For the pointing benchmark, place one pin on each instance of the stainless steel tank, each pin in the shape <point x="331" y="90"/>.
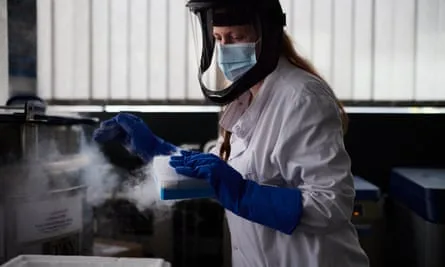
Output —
<point x="43" y="207"/>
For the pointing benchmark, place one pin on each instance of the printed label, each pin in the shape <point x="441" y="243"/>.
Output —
<point x="49" y="218"/>
<point x="69" y="245"/>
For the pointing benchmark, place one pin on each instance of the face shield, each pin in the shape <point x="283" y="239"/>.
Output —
<point x="230" y="44"/>
<point x="230" y="48"/>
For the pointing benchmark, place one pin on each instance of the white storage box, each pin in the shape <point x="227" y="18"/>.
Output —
<point x="81" y="261"/>
<point x="173" y="186"/>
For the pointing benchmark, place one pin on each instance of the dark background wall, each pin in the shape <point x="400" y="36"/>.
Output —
<point x="379" y="142"/>
<point x="376" y="142"/>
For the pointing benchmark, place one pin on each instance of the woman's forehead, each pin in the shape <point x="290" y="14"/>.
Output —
<point x="223" y="30"/>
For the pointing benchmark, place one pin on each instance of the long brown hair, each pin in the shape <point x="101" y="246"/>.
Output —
<point x="291" y="54"/>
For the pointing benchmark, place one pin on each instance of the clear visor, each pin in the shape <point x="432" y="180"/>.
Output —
<point x="224" y="51"/>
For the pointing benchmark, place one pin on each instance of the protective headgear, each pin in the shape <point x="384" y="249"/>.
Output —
<point x="228" y="69"/>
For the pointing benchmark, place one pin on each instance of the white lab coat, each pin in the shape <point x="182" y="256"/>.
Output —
<point x="291" y="136"/>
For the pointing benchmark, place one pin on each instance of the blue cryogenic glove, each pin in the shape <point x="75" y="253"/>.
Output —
<point x="133" y="134"/>
<point x="275" y="207"/>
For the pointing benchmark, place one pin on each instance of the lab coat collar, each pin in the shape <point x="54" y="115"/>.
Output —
<point x="234" y="111"/>
<point x="240" y="118"/>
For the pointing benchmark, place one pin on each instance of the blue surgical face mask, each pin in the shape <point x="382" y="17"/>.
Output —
<point x="236" y="59"/>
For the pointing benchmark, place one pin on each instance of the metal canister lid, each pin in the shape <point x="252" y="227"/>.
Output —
<point x="31" y="109"/>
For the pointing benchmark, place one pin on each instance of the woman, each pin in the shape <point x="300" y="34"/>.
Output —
<point x="281" y="171"/>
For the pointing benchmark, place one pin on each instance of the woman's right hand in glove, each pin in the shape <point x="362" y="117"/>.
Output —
<point x="132" y="132"/>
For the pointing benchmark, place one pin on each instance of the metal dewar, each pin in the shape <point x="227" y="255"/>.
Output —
<point x="43" y="207"/>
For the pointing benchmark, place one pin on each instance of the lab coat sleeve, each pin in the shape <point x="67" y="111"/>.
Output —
<point x="311" y="156"/>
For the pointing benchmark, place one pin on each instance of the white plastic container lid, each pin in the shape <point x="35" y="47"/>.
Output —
<point x="82" y="261"/>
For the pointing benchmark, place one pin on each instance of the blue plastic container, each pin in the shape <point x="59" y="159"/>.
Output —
<point x="421" y="190"/>
<point x="417" y="218"/>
